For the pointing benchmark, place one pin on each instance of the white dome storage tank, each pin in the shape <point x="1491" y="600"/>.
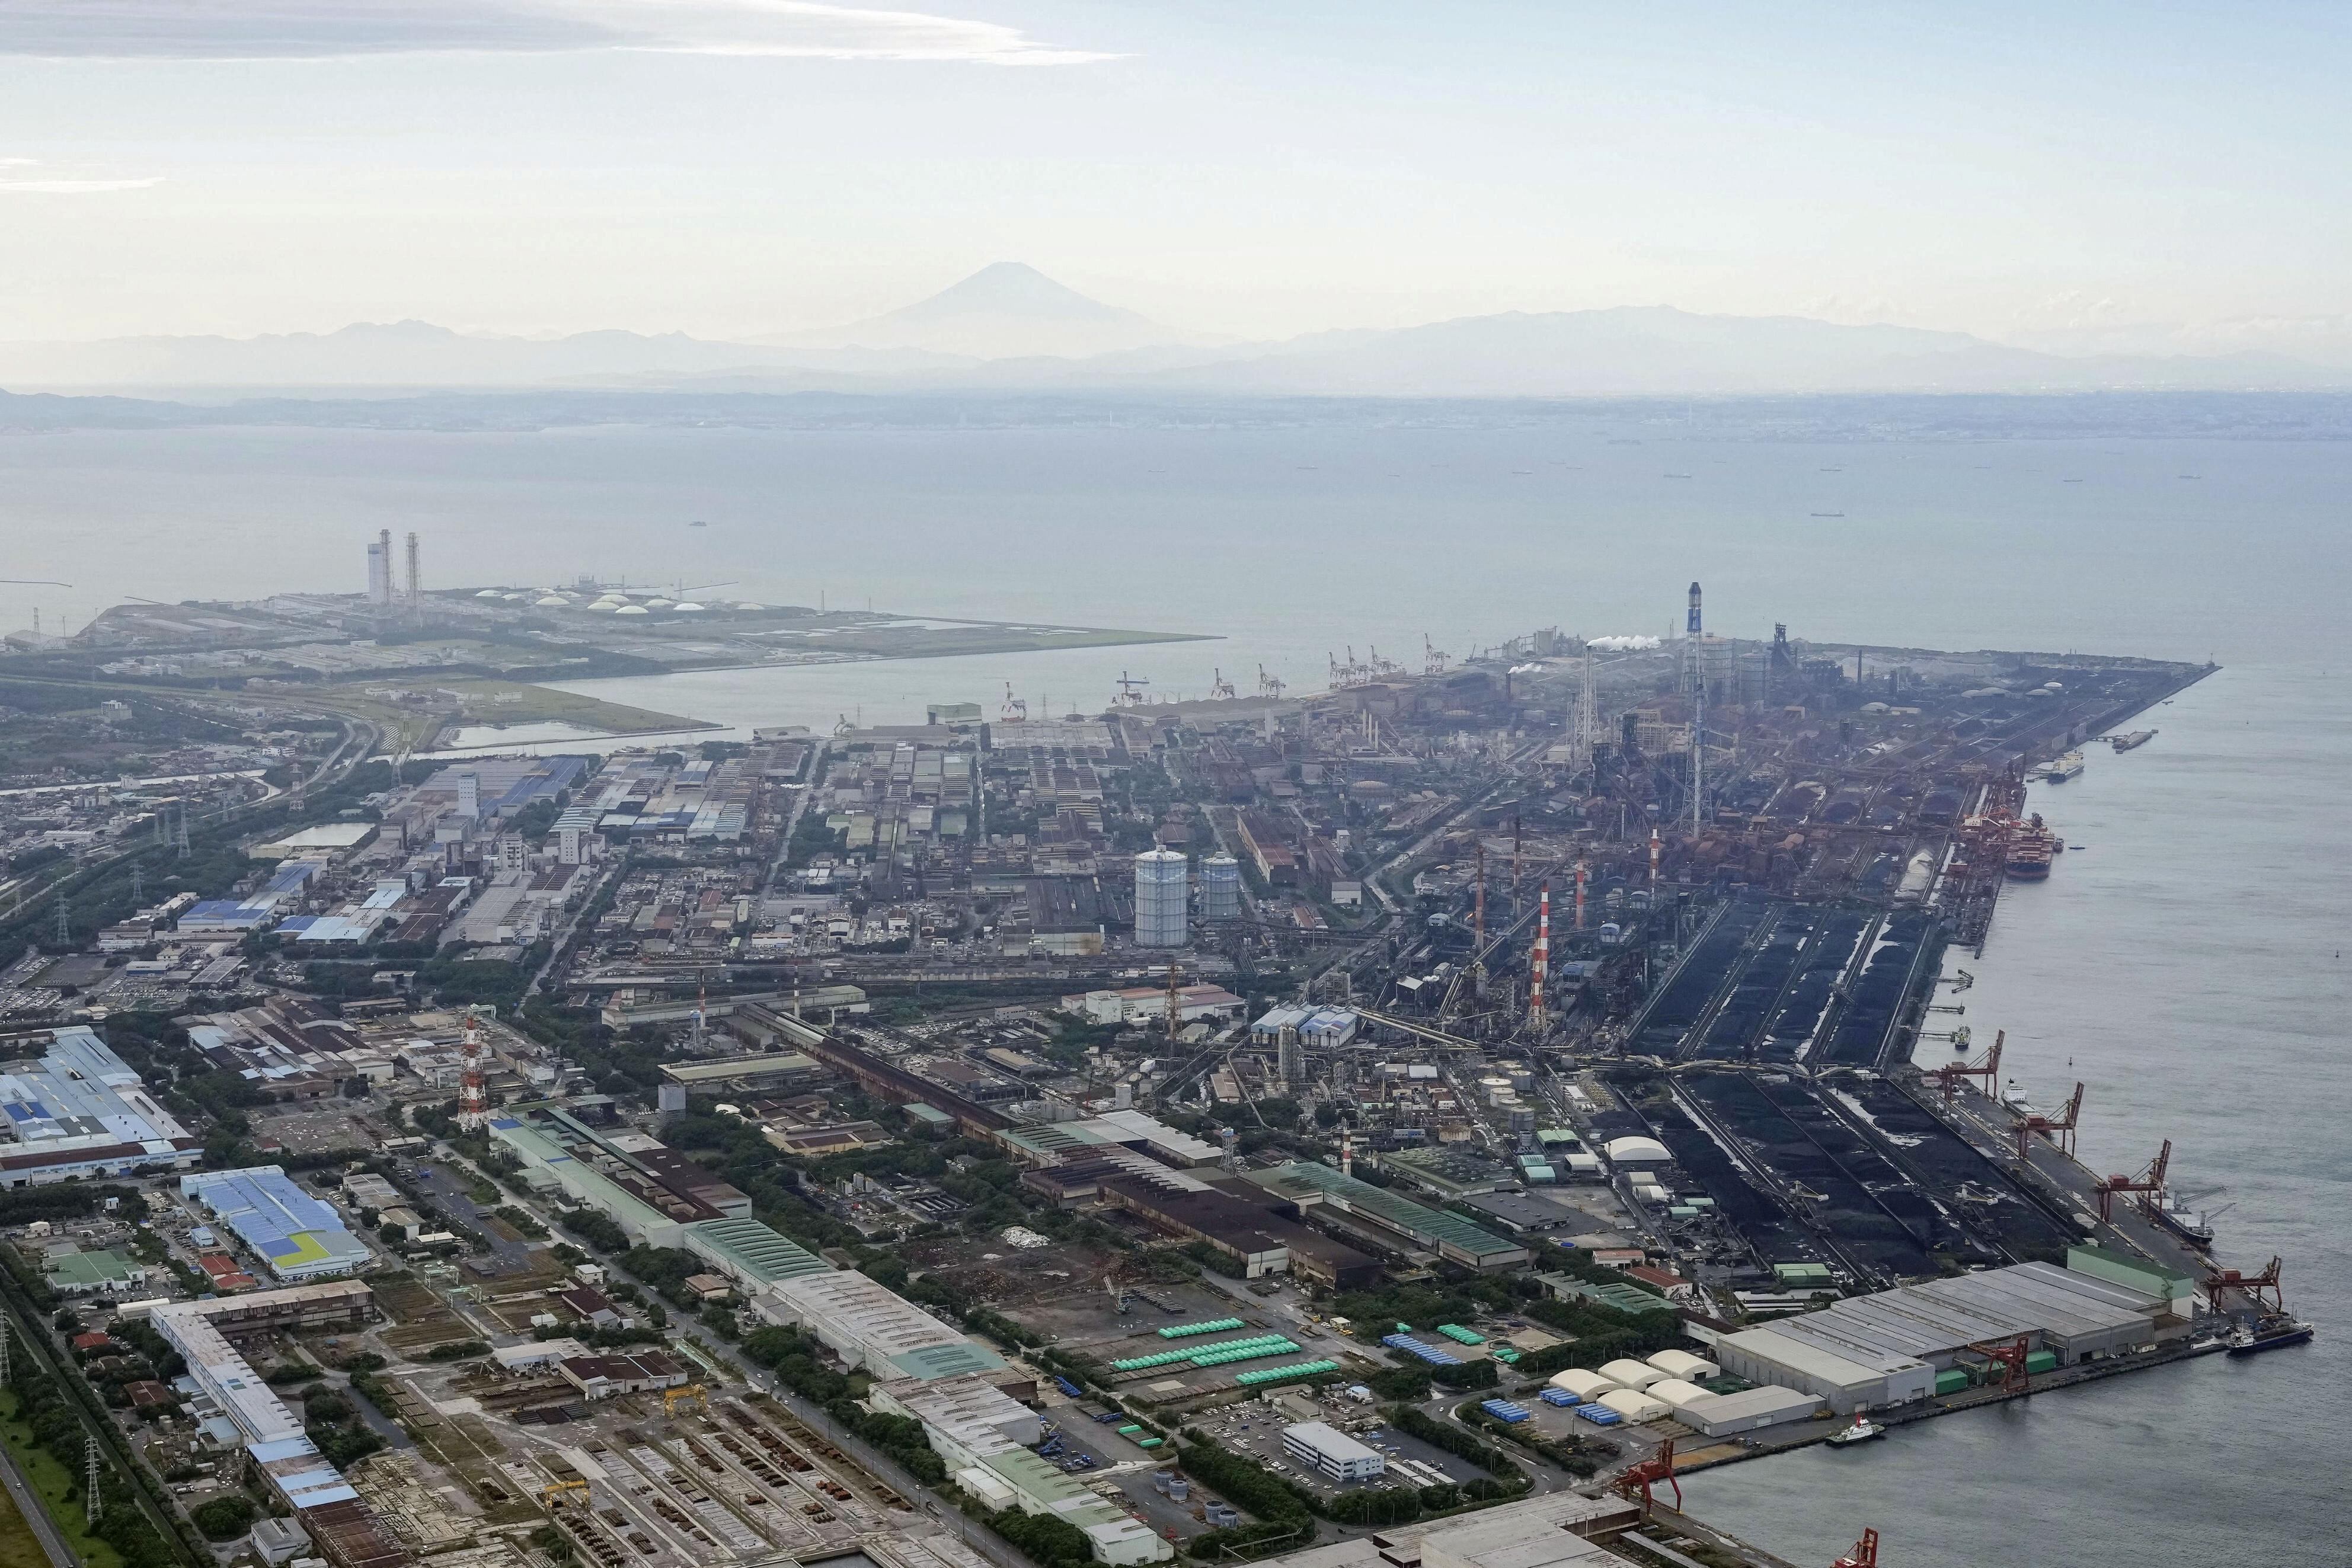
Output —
<point x="1636" y="1406"/>
<point x="1631" y="1374"/>
<point x="1682" y="1364"/>
<point x="1677" y="1393"/>
<point x="1637" y="1152"/>
<point x="1583" y="1383"/>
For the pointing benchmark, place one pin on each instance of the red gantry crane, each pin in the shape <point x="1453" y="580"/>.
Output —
<point x="2010" y="1355"/>
<point x="1639" y="1476"/>
<point x="2261" y="1289"/>
<point x="1989" y="1070"/>
<point x="1865" y="1553"/>
<point x="2059" y="1129"/>
<point x="2149" y="1180"/>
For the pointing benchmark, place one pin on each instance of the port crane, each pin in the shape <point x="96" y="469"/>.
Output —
<point x="1989" y="1070"/>
<point x="1130" y="690"/>
<point x="1220" y="689"/>
<point x="2149" y="1180"/>
<point x="2009" y="1355"/>
<point x="1865" y="1553"/>
<point x="1640" y="1476"/>
<point x="1432" y="659"/>
<point x="2261" y="1289"/>
<point x="1015" y="709"/>
<point x="1270" y="685"/>
<point x="2059" y="1129"/>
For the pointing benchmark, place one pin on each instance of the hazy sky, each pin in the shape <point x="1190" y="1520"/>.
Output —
<point x="2064" y="174"/>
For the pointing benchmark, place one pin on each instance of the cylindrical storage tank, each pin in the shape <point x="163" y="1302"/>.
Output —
<point x="1682" y="1364"/>
<point x="1677" y="1393"/>
<point x="1635" y="1407"/>
<point x="1631" y="1374"/>
<point x="1525" y="1083"/>
<point x="1583" y="1383"/>
<point x="1221" y="888"/>
<point x="1180" y="1489"/>
<point x="1160" y="890"/>
<point x="1160" y="1479"/>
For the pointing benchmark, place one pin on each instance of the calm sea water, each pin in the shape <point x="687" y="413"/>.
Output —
<point x="2187" y="961"/>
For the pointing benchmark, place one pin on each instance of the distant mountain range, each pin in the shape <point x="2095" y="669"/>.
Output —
<point x="1010" y="328"/>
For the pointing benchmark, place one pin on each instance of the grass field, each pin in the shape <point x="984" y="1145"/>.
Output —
<point x="495" y="702"/>
<point x="54" y="1486"/>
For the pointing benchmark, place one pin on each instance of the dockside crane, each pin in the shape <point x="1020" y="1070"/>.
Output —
<point x="2261" y="1289"/>
<point x="2059" y="1129"/>
<point x="1270" y="685"/>
<point x="2149" y="1180"/>
<point x="1641" y="1475"/>
<point x="1989" y="1070"/>
<point x="1220" y="689"/>
<point x="2009" y="1356"/>
<point x="1865" y="1553"/>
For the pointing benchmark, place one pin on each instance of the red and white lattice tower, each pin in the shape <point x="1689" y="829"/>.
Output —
<point x="1539" y="959"/>
<point x="473" y="1081"/>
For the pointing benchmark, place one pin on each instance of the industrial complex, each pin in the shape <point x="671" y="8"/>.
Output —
<point x="1409" y="1122"/>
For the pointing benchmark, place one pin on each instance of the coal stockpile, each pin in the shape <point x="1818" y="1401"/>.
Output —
<point x="1809" y="997"/>
<point x="1757" y="990"/>
<point x="1842" y="1207"/>
<point x="1761" y="1222"/>
<point x="1949" y="1165"/>
<point x="1890" y="1187"/>
<point x="1686" y="996"/>
<point x="1862" y="1029"/>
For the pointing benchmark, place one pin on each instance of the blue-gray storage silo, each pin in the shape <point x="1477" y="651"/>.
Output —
<point x="1161" y="892"/>
<point x="1221" y="888"/>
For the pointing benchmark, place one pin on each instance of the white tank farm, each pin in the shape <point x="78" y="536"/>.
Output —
<point x="1636" y="1406"/>
<point x="1682" y="1364"/>
<point x="1583" y="1383"/>
<point x="1678" y="1394"/>
<point x="1631" y="1374"/>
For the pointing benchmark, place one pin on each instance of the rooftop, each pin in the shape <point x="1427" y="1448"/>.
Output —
<point x="299" y="1235"/>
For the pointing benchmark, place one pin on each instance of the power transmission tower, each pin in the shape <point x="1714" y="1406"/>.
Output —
<point x="137" y="883"/>
<point x="4" y="1376"/>
<point x="65" y="922"/>
<point x="89" y="1504"/>
<point x="181" y="841"/>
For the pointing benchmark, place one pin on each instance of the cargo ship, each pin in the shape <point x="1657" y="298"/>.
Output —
<point x="2061" y="768"/>
<point x="2030" y="852"/>
<point x="2184" y="1222"/>
<point x="1862" y="1431"/>
<point x="2137" y="738"/>
<point x="2273" y="1332"/>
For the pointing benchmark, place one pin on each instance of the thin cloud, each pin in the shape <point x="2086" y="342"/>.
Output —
<point x="73" y="187"/>
<point x="323" y="30"/>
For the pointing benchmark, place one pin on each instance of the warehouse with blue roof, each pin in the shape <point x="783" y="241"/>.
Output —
<point x="298" y="1236"/>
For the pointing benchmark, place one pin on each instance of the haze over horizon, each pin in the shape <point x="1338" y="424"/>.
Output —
<point x="2125" y="183"/>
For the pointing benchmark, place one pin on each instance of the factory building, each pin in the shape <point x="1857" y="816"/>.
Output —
<point x="1191" y="1208"/>
<point x="78" y="1110"/>
<point x="1869" y="1351"/>
<point x="1322" y="1446"/>
<point x="985" y="1438"/>
<point x="276" y="1450"/>
<point x="1160" y="898"/>
<point x="1220" y="889"/>
<point x="1374" y="1211"/>
<point x="1052" y="1141"/>
<point x="868" y="1325"/>
<point x="334" y="1303"/>
<point x="298" y="1236"/>
<point x="1555" y="1530"/>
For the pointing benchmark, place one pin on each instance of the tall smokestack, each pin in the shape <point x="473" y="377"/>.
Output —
<point x="1539" y="957"/>
<point x="1583" y="871"/>
<point x="1693" y="629"/>
<point x="416" y="582"/>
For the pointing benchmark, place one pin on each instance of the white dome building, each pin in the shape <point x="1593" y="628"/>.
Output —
<point x="1637" y="1152"/>
<point x="632" y="609"/>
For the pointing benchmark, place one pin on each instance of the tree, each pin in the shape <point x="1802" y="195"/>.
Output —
<point x="224" y="1517"/>
<point x="390" y="1234"/>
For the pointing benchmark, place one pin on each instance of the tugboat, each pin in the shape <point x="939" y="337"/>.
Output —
<point x="1862" y="1430"/>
